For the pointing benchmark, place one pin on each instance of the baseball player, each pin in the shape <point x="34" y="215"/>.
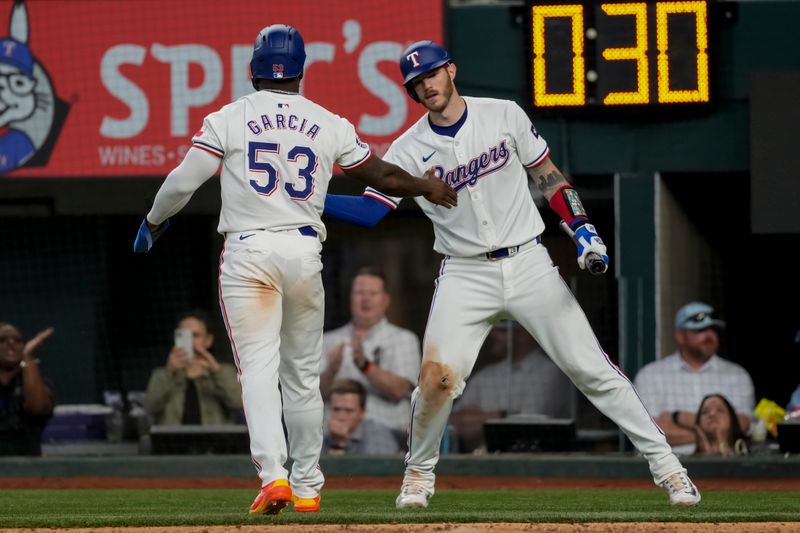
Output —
<point x="495" y="266"/>
<point x="277" y="150"/>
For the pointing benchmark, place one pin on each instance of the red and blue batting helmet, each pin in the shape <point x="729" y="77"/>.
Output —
<point x="419" y="58"/>
<point x="279" y="53"/>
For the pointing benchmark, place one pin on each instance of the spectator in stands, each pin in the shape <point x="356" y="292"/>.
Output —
<point x="26" y="398"/>
<point x="348" y="431"/>
<point x="673" y="387"/>
<point x="717" y="428"/>
<point x="523" y="380"/>
<point x="794" y="401"/>
<point x="379" y="355"/>
<point x="194" y="388"/>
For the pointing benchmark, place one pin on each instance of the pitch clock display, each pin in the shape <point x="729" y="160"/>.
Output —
<point x="618" y="54"/>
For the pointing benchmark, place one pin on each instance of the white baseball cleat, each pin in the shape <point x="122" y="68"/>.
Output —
<point x="413" y="496"/>
<point x="681" y="490"/>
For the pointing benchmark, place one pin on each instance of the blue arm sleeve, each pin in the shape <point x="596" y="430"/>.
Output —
<point x="358" y="210"/>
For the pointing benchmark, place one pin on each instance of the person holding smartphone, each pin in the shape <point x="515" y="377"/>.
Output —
<point x="193" y="387"/>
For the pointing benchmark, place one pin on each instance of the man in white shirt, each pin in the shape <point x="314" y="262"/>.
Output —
<point x="673" y="387"/>
<point x="382" y="357"/>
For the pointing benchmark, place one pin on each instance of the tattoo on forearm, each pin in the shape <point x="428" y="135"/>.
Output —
<point x="546" y="181"/>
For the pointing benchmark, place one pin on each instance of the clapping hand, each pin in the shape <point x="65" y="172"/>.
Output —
<point x="32" y="345"/>
<point x="359" y="359"/>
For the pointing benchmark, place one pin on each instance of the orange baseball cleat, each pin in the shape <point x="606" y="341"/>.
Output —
<point x="273" y="498"/>
<point x="306" y="505"/>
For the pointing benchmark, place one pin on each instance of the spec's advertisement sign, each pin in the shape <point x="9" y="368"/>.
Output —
<point x="107" y="88"/>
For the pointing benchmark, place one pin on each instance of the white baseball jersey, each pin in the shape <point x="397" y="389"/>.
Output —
<point x="485" y="163"/>
<point x="278" y="151"/>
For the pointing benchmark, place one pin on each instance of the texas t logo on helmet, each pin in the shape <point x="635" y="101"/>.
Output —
<point x="421" y="57"/>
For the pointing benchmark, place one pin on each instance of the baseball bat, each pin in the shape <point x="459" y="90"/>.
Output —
<point x="594" y="263"/>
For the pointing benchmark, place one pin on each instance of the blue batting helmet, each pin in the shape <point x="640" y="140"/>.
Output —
<point x="279" y="53"/>
<point x="419" y="58"/>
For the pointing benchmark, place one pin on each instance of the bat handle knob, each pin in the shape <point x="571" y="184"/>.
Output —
<point x="595" y="263"/>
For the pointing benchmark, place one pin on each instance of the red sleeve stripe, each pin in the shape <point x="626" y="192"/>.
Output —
<point x="208" y="148"/>
<point x="376" y="195"/>
<point x="358" y="163"/>
<point x="539" y="160"/>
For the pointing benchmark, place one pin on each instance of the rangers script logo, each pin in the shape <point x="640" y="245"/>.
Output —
<point x="482" y="165"/>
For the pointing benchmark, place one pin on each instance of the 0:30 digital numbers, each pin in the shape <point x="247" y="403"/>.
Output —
<point x="638" y="53"/>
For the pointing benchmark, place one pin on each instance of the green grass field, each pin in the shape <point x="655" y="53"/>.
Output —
<point x="95" y="508"/>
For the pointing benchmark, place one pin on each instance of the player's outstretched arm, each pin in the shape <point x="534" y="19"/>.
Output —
<point x="363" y="211"/>
<point x="394" y="181"/>
<point x="176" y="191"/>
<point x="565" y="202"/>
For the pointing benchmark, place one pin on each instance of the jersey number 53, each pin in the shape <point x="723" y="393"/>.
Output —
<point x="298" y="154"/>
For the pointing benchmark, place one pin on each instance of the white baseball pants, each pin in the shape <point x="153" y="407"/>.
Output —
<point x="272" y="299"/>
<point x="472" y="294"/>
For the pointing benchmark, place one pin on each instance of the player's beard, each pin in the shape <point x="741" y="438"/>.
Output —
<point x="442" y="99"/>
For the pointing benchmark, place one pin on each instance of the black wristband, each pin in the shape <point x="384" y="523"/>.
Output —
<point x="675" y="417"/>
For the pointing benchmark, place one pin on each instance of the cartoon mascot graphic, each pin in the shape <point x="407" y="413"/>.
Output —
<point x="28" y="106"/>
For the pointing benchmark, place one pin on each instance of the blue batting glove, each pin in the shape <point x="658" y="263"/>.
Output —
<point x="145" y="238"/>
<point x="588" y="242"/>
